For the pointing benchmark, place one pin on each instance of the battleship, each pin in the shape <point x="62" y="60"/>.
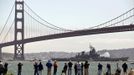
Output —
<point x="92" y="55"/>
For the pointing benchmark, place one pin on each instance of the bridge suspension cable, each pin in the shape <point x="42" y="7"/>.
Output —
<point x="41" y="22"/>
<point x="59" y="28"/>
<point x="7" y="20"/>
<point x="120" y="21"/>
<point x="122" y="15"/>
<point x="34" y="27"/>
<point x="8" y="31"/>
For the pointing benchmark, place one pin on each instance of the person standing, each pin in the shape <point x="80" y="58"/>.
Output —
<point x="81" y="68"/>
<point x="75" y="68"/>
<point x="5" y="68"/>
<point x="49" y="66"/>
<point x="70" y="64"/>
<point x="20" y="68"/>
<point x="63" y="72"/>
<point x="86" y="67"/>
<point x="125" y="68"/>
<point x="40" y="67"/>
<point x="118" y="70"/>
<point x="78" y="68"/>
<point x="65" y="68"/>
<point x="36" y="68"/>
<point x="1" y="68"/>
<point x="108" y="69"/>
<point x="100" y="69"/>
<point x="55" y="65"/>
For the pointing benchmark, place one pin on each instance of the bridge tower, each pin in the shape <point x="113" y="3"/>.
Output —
<point x="19" y="30"/>
<point x="0" y="53"/>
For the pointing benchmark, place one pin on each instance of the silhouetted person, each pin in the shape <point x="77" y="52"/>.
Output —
<point x="86" y="67"/>
<point x="100" y="69"/>
<point x="63" y="72"/>
<point x="81" y="68"/>
<point x="78" y="68"/>
<point x="36" y="68"/>
<point x="108" y="69"/>
<point x="70" y="64"/>
<point x="49" y="66"/>
<point x="75" y="68"/>
<point x="55" y="65"/>
<point x="118" y="70"/>
<point x="65" y="68"/>
<point x="5" y="68"/>
<point x="19" y="68"/>
<point x="125" y="67"/>
<point x="1" y="68"/>
<point x="40" y="67"/>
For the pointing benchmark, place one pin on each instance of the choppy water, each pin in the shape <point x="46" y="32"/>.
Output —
<point x="28" y="67"/>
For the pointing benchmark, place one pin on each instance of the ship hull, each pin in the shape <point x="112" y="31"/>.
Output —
<point x="90" y="59"/>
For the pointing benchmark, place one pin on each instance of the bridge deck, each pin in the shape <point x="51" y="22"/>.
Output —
<point x="74" y="33"/>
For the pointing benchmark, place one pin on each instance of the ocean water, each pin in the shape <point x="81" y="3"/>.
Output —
<point x="28" y="69"/>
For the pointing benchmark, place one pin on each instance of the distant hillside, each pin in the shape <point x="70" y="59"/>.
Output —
<point x="120" y="53"/>
<point x="47" y="55"/>
<point x="42" y="55"/>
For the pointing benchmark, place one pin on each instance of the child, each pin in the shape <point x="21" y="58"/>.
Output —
<point x="63" y="72"/>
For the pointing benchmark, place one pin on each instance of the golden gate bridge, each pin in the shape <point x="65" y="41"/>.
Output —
<point x="27" y="27"/>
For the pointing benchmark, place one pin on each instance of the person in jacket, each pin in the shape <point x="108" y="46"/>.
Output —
<point x="55" y="66"/>
<point x="78" y="68"/>
<point x="100" y="69"/>
<point x="5" y="68"/>
<point x="36" y="68"/>
<point x="108" y="69"/>
<point x="82" y="68"/>
<point x="118" y="70"/>
<point x="40" y="66"/>
<point x="49" y="66"/>
<point x="86" y="67"/>
<point x="70" y="64"/>
<point x="20" y="68"/>
<point x="75" y="68"/>
<point x="65" y="68"/>
<point x="1" y="68"/>
<point x="125" y="68"/>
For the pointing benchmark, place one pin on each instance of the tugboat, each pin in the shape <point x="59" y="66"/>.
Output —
<point x="91" y="56"/>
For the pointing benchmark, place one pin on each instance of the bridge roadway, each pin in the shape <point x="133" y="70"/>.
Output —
<point x="74" y="33"/>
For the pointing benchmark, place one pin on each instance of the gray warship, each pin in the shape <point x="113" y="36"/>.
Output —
<point x="92" y="55"/>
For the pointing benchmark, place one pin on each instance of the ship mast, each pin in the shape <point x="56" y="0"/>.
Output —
<point x="91" y="47"/>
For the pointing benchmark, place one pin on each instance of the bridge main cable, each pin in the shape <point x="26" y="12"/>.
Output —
<point x="112" y="19"/>
<point x="8" y="32"/>
<point x="7" y="20"/>
<point x="47" y="21"/>
<point x="41" y="22"/>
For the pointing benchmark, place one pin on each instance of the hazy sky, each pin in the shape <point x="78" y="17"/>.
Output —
<point x="76" y="14"/>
